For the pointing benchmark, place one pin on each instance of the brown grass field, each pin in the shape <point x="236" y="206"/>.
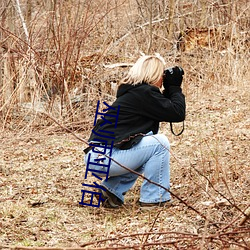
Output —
<point x="63" y="66"/>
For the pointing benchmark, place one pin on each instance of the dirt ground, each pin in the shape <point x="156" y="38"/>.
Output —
<point x="41" y="174"/>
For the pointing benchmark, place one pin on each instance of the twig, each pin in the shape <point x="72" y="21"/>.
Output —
<point x="179" y="236"/>
<point x="19" y="11"/>
<point x="173" y="235"/>
<point x="130" y="32"/>
<point x="39" y="248"/>
<point x="246" y="217"/>
<point x="231" y="223"/>
<point x="223" y="179"/>
<point x="141" y="234"/>
<point x="235" y="244"/>
<point x="64" y="127"/>
<point x="234" y="205"/>
<point x="156" y="217"/>
<point x="115" y="65"/>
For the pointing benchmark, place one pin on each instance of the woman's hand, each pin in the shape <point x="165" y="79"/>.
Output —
<point x="173" y="77"/>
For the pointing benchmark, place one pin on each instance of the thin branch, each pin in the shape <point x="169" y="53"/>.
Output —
<point x="217" y="191"/>
<point x="115" y="65"/>
<point x="130" y="32"/>
<point x="19" y="11"/>
<point x="246" y="217"/>
<point x="174" y="236"/>
<point x="156" y="217"/>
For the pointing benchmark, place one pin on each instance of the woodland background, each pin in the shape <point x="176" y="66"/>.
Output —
<point x="58" y="58"/>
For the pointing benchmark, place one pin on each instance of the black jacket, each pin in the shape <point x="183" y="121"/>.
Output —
<point x="142" y="107"/>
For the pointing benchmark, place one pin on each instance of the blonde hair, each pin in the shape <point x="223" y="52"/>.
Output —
<point x="148" y="69"/>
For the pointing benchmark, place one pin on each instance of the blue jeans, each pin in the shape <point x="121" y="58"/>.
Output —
<point x="148" y="157"/>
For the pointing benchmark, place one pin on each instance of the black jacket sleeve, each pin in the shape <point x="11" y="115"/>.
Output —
<point x="168" y="107"/>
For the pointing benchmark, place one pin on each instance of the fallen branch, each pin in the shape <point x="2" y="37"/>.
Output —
<point x="115" y="65"/>
<point x="174" y="237"/>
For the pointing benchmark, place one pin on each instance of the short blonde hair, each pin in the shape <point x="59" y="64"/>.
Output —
<point x="148" y="69"/>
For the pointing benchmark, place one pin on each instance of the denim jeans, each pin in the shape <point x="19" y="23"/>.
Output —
<point x="148" y="157"/>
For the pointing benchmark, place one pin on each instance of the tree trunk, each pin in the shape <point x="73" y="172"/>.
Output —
<point x="28" y="87"/>
<point x="203" y="21"/>
<point x="6" y="67"/>
<point x="150" y="10"/>
<point x="171" y="20"/>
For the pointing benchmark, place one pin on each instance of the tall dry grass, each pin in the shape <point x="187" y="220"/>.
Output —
<point x="52" y="54"/>
<point x="60" y="67"/>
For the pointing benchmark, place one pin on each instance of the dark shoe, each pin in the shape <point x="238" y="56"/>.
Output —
<point x="110" y="200"/>
<point x="151" y="206"/>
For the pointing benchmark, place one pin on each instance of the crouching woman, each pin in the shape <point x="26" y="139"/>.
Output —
<point x="137" y="144"/>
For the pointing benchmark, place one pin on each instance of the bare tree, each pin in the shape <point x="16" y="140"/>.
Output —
<point x="171" y="19"/>
<point x="6" y="62"/>
<point x="150" y="11"/>
<point x="27" y="86"/>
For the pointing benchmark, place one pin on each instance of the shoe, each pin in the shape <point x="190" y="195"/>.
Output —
<point x="151" y="206"/>
<point x="110" y="200"/>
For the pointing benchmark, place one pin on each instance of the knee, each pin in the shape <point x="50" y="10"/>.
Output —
<point x="163" y="140"/>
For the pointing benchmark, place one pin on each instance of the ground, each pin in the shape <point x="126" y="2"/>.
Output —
<point x="41" y="174"/>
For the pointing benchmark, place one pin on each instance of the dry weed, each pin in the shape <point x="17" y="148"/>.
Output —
<point x="41" y="167"/>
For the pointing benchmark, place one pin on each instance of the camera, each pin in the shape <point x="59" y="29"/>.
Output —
<point x="173" y="76"/>
<point x="171" y="70"/>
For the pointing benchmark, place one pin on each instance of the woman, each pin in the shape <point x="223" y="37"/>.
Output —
<point x="135" y="141"/>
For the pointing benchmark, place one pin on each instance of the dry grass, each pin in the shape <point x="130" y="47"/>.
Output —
<point x="41" y="177"/>
<point x="41" y="167"/>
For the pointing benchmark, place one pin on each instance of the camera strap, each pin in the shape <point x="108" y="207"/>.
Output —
<point x="172" y="130"/>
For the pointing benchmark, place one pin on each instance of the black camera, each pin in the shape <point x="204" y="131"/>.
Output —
<point x="173" y="76"/>
<point x="171" y="70"/>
